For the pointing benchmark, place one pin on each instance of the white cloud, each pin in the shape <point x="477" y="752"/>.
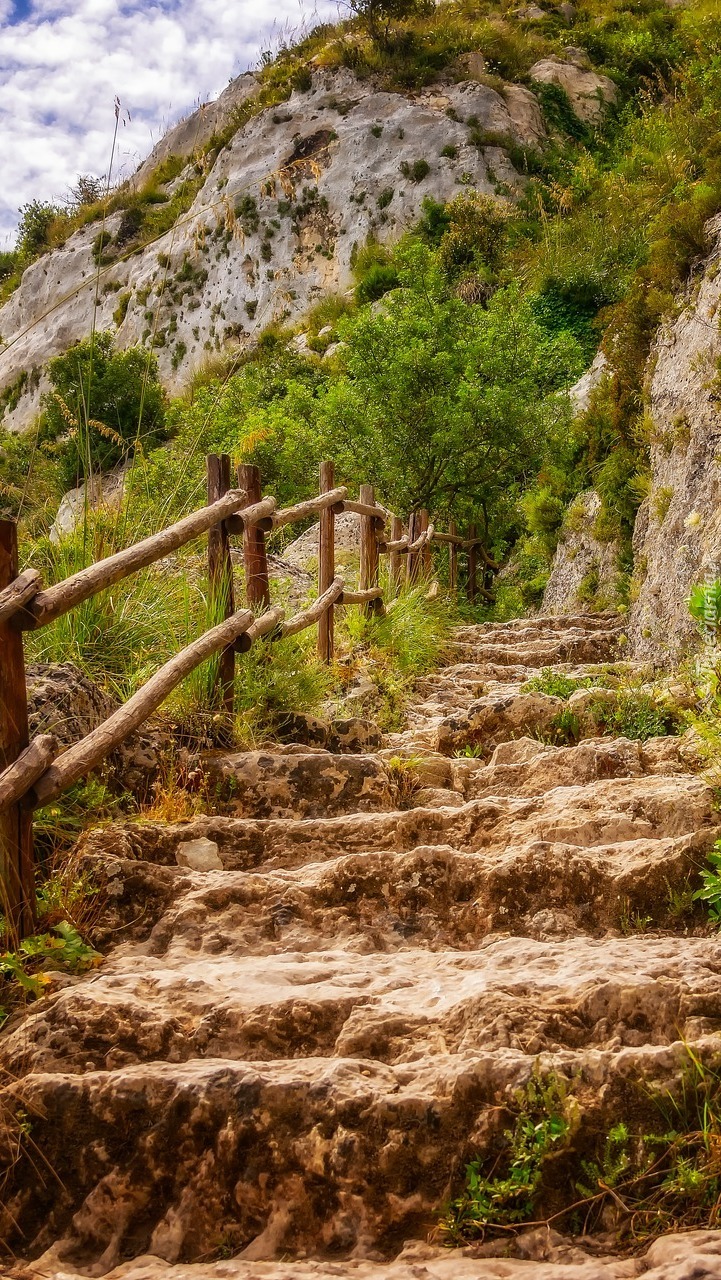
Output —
<point x="64" y="63"/>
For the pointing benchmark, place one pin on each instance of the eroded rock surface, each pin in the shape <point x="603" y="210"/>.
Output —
<point x="316" y="1000"/>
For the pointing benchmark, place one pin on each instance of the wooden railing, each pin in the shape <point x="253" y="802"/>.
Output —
<point x="33" y="774"/>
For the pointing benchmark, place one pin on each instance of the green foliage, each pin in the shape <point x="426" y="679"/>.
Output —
<point x="558" y="685"/>
<point x="476" y="234"/>
<point x="704" y="605"/>
<point x="442" y="402"/>
<point x="559" y="113"/>
<point x="416" y="171"/>
<point x="400" y="646"/>
<point x="710" y="891"/>
<point x="105" y="403"/>
<point x="271" y="686"/>
<point x="33" y="234"/>
<point x="27" y="968"/>
<point x="503" y="1189"/>
<point x="638" y="715"/>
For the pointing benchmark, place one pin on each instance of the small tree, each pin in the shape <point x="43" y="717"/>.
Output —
<point x="86" y="190"/>
<point x="36" y="219"/>
<point x="105" y="403"/>
<point x="378" y="16"/>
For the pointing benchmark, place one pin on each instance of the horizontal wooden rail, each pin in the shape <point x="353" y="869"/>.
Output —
<point x="84" y="755"/>
<point x="314" y="612"/>
<point x="55" y="601"/>
<point x="22" y="589"/>
<point x="360" y="597"/>
<point x="421" y="541"/>
<point x="16" y="781"/>
<point x="399" y="545"/>
<point x="291" y="515"/>
<point x="376" y="512"/>
<point x="267" y="624"/>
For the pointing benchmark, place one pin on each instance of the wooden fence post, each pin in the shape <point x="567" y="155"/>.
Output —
<point x="368" y="576"/>
<point x="17" y="863"/>
<point x="255" y="560"/>
<point x="395" y="559"/>
<point x="412" y="555"/>
<point x="452" y="558"/>
<point x="220" y="574"/>
<point x="472" y="565"/>
<point x="426" y="557"/>
<point x="326" y="565"/>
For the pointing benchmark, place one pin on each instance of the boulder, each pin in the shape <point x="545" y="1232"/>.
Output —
<point x="105" y="490"/>
<point x="589" y="93"/>
<point x="65" y="702"/>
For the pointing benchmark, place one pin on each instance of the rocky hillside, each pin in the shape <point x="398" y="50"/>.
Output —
<point x="278" y="212"/>
<point x="274" y="226"/>
<point x="321" y="999"/>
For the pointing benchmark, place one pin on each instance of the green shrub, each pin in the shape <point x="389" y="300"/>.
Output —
<point x="109" y="403"/>
<point x="416" y="171"/>
<point x="378" y="280"/>
<point x="503" y="1190"/>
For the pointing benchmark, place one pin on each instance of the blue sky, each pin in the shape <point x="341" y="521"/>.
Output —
<point x="63" y="62"/>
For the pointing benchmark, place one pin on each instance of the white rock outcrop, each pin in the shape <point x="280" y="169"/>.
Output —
<point x="275" y="226"/>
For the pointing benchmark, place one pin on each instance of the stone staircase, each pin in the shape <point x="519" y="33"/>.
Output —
<point x="316" y="998"/>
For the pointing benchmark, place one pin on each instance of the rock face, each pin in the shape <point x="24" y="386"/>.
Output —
<point x="274" y="225"/>
<point x="677" y="539"/>
<point x="585" y="571"/>
<point x="306" y="1026"/>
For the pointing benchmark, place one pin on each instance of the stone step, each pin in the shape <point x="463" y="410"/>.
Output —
<point x="304" y="783"/>
<point x="540" y="652"/>
<point x="597" y="813"/>
<point x="207" y="995"/>
<point x="316" y="1154"/>
<point x="536" y="1254"/>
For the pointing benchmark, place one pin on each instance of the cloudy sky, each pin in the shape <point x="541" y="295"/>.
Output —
<point x="63" y="62"/>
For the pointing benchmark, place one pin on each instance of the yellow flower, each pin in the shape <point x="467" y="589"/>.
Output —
<point x="693" y="520"/>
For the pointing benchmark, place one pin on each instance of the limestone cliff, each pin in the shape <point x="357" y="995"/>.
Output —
<point x="274" y="225"/>
<point x="677" y="540"/>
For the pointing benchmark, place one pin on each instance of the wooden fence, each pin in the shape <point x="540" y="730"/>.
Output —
<point x="33" y="774"/>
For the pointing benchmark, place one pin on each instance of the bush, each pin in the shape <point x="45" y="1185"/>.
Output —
<point x="416" y="171"/>
<point x="105" y="403"/>
<point x="476" y="235"/>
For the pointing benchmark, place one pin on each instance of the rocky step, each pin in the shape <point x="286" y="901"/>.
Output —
<point x="597" y="646"/>
<point x="304" y="782"/>
<point x="322" y="1154"/>
<point x="205" y="1001"/>
<point x="541" y="625"/>
<point x="598" y="813"/>
<point x="536" y="1254"/>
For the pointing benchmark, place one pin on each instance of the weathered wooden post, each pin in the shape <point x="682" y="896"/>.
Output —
<point x="395" y="559"/>
<point x="255" y="560"/>
<point x="452" y="557"/>
<point x="426" y="558"/>
<point x="220" y="574"/>
<point x="326" y="565"/>
<point x="368" y="576"/>
<point x="411" y="556"/>
<point x="472" y="563"/>
<point x="17" y="863"/>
